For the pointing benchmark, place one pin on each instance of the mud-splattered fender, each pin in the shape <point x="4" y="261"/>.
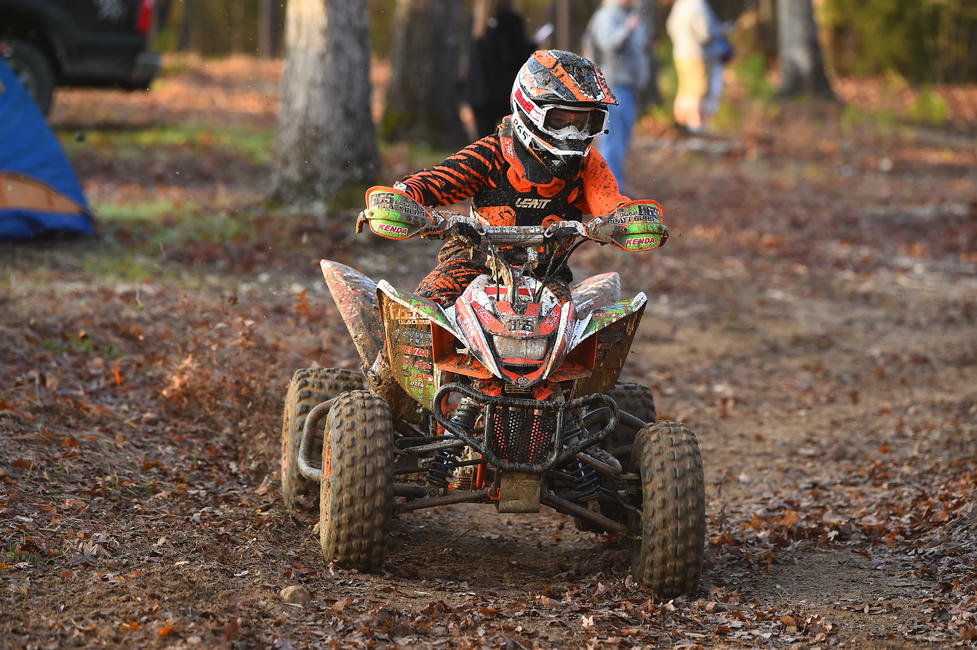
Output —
<point x="600" y="319"/>
<point x="423" y="307"/>
<point x="356" y="297"/>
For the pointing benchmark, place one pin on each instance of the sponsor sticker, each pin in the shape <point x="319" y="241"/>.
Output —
<point x="635" y="242"/>
<point x="392" y="229"/>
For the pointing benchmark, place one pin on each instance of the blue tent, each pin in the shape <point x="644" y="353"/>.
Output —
<point x="39" y="192"/>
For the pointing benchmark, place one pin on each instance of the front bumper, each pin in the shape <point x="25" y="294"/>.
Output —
<point x="146" y="68"/>
<point x="526" y="435"/>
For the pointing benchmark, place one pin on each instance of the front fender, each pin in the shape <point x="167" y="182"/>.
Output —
<point x="604" y="317"/>
<point x="356" y="297"/>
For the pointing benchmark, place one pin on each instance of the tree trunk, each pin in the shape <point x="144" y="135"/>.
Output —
<point x="424" y="94"/>
<point x="266" y="22"/>
<point x="238" y="28"/>
<point x="801" y="64"/>
<point x="186" y="23"/>
<point x="326" y="139"/>
<point x="563" y="26"/>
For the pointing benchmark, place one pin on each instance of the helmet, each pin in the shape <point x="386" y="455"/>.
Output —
<point x="559" y="105"/>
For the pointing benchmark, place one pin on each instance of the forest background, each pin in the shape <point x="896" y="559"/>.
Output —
<point x="926" y="41"/>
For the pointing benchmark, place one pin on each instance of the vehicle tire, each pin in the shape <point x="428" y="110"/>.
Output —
<point x="33" y="69"/>
<point x="671" y="528"/>
<point x="308" y="388"/>
<point x="637" y="400"/>
<point x="356" y="493"/>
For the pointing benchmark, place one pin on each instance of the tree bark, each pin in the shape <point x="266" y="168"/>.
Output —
<point x="563" y="25"/>
<point x="266" y="22"/>
<point x="424" y="94"/>
<point x="801" y="63"/>
<point x="326" y="138"/>
<point x="186" y="23"/>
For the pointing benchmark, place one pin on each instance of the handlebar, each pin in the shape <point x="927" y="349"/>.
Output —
<point x="391" y="213"/>
<point x="507" y="235"/>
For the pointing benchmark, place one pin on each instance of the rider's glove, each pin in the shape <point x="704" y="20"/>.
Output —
<point x="469" y="233"/>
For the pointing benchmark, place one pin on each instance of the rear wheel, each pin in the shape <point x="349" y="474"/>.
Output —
<point x="33" y="70"/>
<point x="356" y="493"/>
<point x="308" y="388"/>
<point x="672" y="522"/>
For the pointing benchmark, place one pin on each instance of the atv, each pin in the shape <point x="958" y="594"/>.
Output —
<point x="509" y="397"/>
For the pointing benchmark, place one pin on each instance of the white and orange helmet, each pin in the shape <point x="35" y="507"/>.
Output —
<point x="559" y="105"/>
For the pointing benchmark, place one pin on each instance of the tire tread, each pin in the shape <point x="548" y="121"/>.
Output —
<point x="356" y="499"/>
<point x="308" y="388"/>
<point x="668" y="557"/>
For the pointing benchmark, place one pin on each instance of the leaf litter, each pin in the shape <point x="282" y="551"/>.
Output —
<point x="823" y="354"/>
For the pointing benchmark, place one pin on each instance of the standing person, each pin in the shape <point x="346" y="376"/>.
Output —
<point x="700" y="49"/>
<point x="619" y="40"/>
<point x="499" y="47"/>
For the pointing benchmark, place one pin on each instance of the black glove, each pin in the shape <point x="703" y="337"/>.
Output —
<point x="468" y="233"/>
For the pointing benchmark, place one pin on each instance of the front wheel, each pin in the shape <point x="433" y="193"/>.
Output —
<point x="356" y="493"/>
<point x="671" y="526"/>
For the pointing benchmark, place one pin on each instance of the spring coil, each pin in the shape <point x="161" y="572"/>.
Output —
<point x="588" y="482"/>
<point x="443" y="463"/>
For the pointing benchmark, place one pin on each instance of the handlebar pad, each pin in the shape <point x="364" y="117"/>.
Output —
<point x="391" y="213"/>
<point x="633" y="226"/>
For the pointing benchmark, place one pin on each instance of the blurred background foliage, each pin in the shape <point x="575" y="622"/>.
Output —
<point x="919" y="41"/>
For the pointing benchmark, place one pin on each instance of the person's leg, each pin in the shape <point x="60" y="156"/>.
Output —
<point x="620" y="122"/>
<point x="710" y="103"/>
<point x="448" y="280"/>
<point x="691" y="88"/>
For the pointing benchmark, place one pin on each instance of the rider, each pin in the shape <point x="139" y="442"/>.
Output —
<point x="538" y="168"/>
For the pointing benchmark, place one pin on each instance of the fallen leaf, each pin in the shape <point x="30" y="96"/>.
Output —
<point x="295" y="594"/>
<point x="232" y="628"/>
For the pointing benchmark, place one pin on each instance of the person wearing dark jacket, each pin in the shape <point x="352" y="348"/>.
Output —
<point x="499" y="47"/>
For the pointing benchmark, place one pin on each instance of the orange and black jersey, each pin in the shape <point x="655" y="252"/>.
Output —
<point x="490" y="173"/>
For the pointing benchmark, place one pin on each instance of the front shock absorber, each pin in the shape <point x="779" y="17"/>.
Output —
<point x="443" y="463"/>
<point x="586" y="478"/>
<point x="584" y="475"/>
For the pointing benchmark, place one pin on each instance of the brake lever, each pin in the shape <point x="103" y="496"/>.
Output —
<point x="563" y="231"/>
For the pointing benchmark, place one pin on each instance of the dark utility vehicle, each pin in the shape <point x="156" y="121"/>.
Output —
<point x="96" y="43"/>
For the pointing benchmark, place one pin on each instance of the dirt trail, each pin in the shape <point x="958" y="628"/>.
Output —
<point x="812" y="318"/>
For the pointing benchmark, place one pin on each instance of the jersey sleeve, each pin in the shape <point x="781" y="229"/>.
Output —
<point x="601" y="194"/>
<point x="457" y="177"/>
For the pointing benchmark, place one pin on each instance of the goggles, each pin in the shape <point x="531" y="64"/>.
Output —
<point x="563" y="122"/>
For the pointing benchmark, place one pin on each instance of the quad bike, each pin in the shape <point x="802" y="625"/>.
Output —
<point x="508" y="397"/>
